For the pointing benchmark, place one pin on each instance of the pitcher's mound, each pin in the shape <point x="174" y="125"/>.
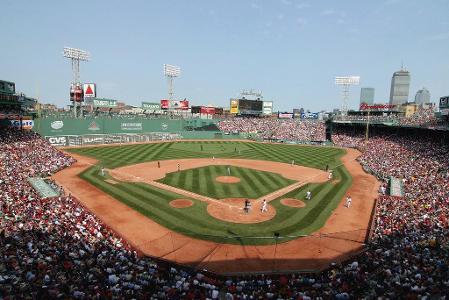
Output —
<point x="181" y="203"/>
<point x="227" y="179"/>
<point x="231" y="210"/>
<point x="292" y="202"/>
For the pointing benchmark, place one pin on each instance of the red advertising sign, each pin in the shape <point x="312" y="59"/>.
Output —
<point x="207" y="110"/>
<point x="365" y="106"/>
<point x="184" y="104"/>
<point x="165" y="104"/>
<point x="175" y="104"/>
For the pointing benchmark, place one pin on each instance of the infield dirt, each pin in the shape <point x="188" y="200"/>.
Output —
<point x="342" y="235"/>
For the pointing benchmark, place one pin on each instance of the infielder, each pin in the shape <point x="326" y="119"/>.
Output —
<point x="348" y="201"/>
<point x="102" y="171"/>
<point x="264" y="207"/>
<point x="330" y="175"/>
<point x="229" y="171"/>
<point x="293" y="162"/>
<point x="179" y="167"/>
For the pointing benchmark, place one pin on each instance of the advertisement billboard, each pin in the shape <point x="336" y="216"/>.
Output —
<point x="25" y="124"/>
<point x="76" y="93"/>
<point x="97" y="102"/>
<point x="151" y="105"/>
<point x="285" y="115"/>
<point x="175" y="104"/>
<point x="234" y="107"/>
<point x="90" y="90"/>
<point x="207" y="110"/>
<point x="444" y="106"/>
<point x="267" y="108"/>
<point x="309" y="115"/>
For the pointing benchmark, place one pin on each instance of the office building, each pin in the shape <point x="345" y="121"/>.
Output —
<point x="422" y="96"/>
<point x="400" y="85"/>
<point x="367" y="95"/>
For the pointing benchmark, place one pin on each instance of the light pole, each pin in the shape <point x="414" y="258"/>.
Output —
<point x="76" y="55"/>
<point x="171" y="72"/>
<point x="346" y="82"/>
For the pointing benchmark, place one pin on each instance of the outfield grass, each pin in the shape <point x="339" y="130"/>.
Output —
<point x="253" y="183"/>
<point x="117" y="156"/>
<point x="194" y="221"/>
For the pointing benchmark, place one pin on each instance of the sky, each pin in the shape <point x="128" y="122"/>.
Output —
<point x="291" y="50"/>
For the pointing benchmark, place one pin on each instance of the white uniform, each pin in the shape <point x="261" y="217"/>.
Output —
<point x="348" y="201"/>
<point x="330" y="175"/>
<point x="308" y="195"/>
<point x="264" y="206"/>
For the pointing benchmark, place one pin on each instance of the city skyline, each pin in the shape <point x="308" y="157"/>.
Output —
<point x="290" y="50"/>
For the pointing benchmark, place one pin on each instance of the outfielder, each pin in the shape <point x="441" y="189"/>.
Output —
<point x="309" y="195"/>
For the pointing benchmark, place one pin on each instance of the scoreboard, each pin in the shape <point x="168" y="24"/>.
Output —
<point x="444" y="105"/>
<point x="246" y="107"/>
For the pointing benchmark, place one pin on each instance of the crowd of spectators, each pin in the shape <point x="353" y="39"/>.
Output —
<point x="423" y="117"/>
<point x="276" y="129"/>
<point x="55" y="248"/>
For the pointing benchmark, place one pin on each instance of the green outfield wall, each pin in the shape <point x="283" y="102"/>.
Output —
<point x="75" y="132"/>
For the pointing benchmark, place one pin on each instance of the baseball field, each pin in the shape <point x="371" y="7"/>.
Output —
<point x="194" y="221"/>
<point x="167" y="197"/>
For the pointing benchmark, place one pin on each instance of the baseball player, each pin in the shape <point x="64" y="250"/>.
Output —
<point x="293" y="162"/>
<point x="229" y="171"/>
<point x="348" y="201"/>
<point x="102" y="171"/>
<point x="246" y="207"/>
<point x="330" y="175"/>
<point x="264" y="207"/>
<point x="179" y="167"/>
<point x="309" y="195"/>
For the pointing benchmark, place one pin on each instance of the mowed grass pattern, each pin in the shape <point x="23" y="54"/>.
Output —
<point x="253" y="183"/>
<point x="117" y="156"/>
<point x="195" y="221"/>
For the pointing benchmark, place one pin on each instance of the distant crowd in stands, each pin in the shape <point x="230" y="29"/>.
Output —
<point x="276" y="129"/>
<point x="56" y="249"/>
<point x="423" y="117"/>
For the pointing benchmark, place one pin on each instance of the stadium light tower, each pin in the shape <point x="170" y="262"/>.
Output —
<point x="346" y="82"/>
<point x="171" y="72"/>
<point x="76" y="55"/>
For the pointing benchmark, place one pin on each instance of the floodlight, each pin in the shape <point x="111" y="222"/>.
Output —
<point x="172" y="71"/>
<point x="346" y="82"/>
<point x="77" y="54"/>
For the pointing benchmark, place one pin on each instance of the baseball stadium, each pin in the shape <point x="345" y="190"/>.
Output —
<point x="174" y="199"/>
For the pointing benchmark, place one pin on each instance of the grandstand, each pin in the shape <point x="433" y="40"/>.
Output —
<point x="54" y="247"/>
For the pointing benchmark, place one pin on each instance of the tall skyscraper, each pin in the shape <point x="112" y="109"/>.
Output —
<point x="367" y="95"/>
<point x="422" y="96"/>
<point x="400" y="85"/>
